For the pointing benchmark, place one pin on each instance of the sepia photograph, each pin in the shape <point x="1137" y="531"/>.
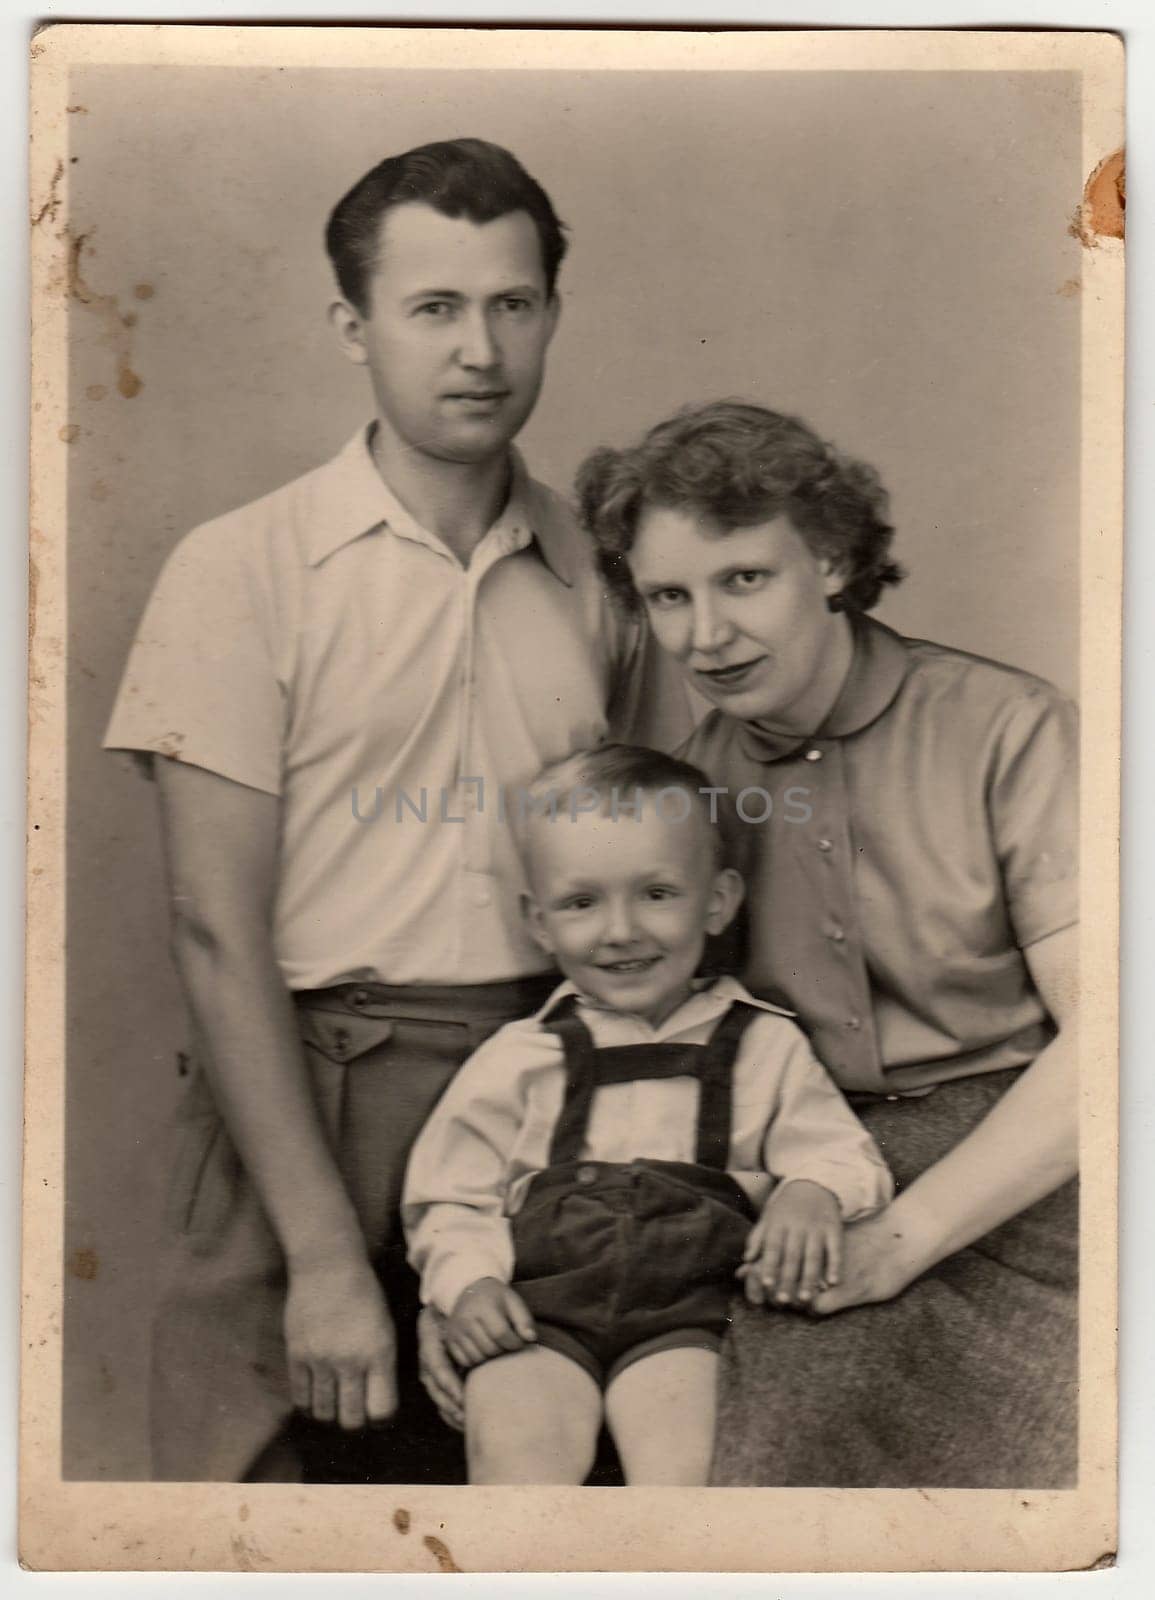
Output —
<point x="573" y="800"/>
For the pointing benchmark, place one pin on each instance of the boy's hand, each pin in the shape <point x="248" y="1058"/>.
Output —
<point x="488" y="1319"/>
<point x="441" y="1378"/>
<point x="341" y="1345"/>
<point x="795" y="1248"/>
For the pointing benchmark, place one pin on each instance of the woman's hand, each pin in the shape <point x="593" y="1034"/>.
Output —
<point x="880" y="1256"/>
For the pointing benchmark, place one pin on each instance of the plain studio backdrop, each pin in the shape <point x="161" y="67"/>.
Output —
<point x="885" y="254"/>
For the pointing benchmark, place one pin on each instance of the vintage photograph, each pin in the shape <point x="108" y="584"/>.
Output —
<point x="578" y="581"/>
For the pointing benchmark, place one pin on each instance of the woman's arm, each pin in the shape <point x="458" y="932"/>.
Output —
<point x="1024" y="1148"/>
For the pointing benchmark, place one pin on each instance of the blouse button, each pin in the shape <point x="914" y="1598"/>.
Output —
<point x="836" y="933"/>
<point x="814" y="755"/>
<point x="854" y="1022"/>
<point x="825" y="845"/>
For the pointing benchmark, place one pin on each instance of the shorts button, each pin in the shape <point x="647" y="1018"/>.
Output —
<point x="813" y="755"/>
<point x="893" y="1097"/>
<point x="587" y="1175"/>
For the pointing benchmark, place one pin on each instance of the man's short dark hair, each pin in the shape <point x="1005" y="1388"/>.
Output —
<point x="458" y="177"/>
<point x="738" y="465"/>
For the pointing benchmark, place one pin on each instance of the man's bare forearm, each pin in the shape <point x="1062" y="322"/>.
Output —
<point x="247" y="1031"/>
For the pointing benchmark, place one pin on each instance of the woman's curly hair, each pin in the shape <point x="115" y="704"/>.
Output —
<point x="738" y="465"/>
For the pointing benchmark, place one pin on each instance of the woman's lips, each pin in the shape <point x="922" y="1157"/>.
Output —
<point x="734" y="677"/>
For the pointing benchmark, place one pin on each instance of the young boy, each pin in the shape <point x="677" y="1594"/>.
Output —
<point x="582" y="1197"/>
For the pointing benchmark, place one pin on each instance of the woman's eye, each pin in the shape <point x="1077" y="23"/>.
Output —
<point x="745" y="582"/>
<point x="581" y="902"/>
<point x="665" y="599"/>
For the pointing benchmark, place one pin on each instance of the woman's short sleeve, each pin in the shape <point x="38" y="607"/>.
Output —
<point x="1033" y="801"/>
<point x="201" y="684"/>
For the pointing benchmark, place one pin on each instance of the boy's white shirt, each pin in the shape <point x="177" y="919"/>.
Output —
<point x="491" y="1130"/>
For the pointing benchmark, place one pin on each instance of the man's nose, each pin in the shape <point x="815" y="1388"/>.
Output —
<point x="479" y="346"/>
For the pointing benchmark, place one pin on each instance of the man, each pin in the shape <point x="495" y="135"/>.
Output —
<point x="339" y="679"/>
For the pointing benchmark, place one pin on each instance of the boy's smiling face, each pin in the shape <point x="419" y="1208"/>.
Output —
<point x="624" y="904"/>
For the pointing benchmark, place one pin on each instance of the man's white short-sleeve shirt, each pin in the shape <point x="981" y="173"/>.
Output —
<point x="322" y="646"/>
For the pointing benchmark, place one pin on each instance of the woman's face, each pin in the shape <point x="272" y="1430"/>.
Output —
<point x="745" y="613"/>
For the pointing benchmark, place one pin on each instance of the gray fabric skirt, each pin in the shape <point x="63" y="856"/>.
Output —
<point x="967" y="1380"/>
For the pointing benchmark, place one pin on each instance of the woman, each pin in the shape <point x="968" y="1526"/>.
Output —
<point x="922" y="924"/>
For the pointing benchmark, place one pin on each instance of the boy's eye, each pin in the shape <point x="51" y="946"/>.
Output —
<point x="577" y="902"/>
<point x="661" y="891"/>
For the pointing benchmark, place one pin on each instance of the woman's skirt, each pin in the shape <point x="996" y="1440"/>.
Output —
<point x="967" y="1380"/>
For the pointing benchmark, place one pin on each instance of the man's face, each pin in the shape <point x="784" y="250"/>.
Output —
<point x="745" y="613"/>
<point x="456" y="332"/>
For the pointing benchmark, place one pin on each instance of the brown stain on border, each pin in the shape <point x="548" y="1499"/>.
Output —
<point x="1103" y="213"/>
<point x="51" y="206"/>
<point x="401" y="1520"/>
<point x="440" y="1550"/>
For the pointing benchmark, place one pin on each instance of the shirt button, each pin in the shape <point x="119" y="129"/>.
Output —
<point x="587" y="1175"/>
<point x="836" y="933"/>
<point x="814" y="755"/>
<point x="825" y="845"/>
<point x="893" y="1097"/>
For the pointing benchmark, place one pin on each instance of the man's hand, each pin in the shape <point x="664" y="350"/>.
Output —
<point x="341" y="1345"/>
<point x="441" y="1378"/>
<point x="488" y="1320"/>
<point x="795" y="1248"/>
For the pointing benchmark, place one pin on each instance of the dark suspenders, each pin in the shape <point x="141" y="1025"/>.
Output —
<point x="587" y="1068"/>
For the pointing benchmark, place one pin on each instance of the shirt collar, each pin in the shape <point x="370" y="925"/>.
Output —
<point x="350" y="499"/>
<point x="711" y="998"/>
<point x="878" y="666"/>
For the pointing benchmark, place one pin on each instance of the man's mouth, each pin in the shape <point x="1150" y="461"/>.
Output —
<point x="477" y="397"/>
<point x="732" y="677"/>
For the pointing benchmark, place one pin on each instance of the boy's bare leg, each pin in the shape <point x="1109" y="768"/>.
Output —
<point x="661" y="1412"/>
<point x="531" y="1417"/>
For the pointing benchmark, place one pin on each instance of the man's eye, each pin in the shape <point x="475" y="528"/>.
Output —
<point x="515" y="302"/>
<point x="434" y="308"/>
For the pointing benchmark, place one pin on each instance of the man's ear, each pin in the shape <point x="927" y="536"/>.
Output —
<point x="347" y="323"/>
<point x="553" y="315"/>
<point x="535" y="923"/>
<point x="726" y="896"/>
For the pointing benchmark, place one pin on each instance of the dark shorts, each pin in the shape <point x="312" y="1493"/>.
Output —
<point x="617" y="1261"/>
